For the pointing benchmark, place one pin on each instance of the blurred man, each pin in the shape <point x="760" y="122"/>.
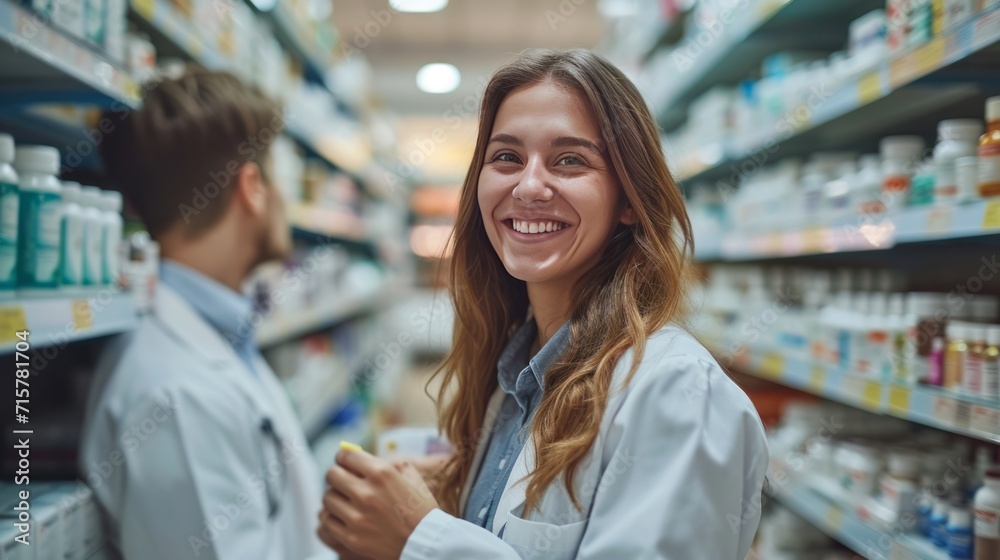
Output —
<point x="189" y="444"/>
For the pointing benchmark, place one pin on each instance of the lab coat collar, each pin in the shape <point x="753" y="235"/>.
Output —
<point x="181" y="321"/>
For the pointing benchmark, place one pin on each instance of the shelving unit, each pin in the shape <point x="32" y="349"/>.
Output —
<point x="60" y="320"/>
<point x="931" y="406"/>
<point x="325" y="315"/>
<point x="40" y="63"/>
<point x="874" y="101"/>
<point x="909" y="225"/>
<point x="847" y="527"/>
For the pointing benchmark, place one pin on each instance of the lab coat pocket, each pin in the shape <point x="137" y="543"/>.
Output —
<point x="538" y="540"/>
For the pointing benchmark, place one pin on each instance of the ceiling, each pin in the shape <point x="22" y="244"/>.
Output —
<point x="477" y="36"/>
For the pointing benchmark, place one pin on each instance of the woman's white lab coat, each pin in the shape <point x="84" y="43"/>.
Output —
<point x="177" y="454"/>
<point x="676" y="473"/>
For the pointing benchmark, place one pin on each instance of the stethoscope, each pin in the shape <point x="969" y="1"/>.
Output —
<point x="273" y="493"/>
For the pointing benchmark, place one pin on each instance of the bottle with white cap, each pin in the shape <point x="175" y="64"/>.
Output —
<point x="39" y="220"/>
<point x="71" y="259"/>
<point x="112" y="235"/>
<point x="9" y="203"/>
<point x="957" y="138"/>
<point x="901" y="156"/>
<point x="93" y="228"/>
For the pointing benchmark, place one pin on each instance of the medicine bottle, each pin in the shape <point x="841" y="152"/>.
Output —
<point x="991" y="363"/>
<point x="989" y="151"/>
<point x="972" y="366"/>
<point x="93" y="228"/>
<point x="71" y="259"/>
<point x="39" y="217"/>
<point x="955" y="350"/>
<point x="111" y="236"/>
<point x="987" y="518"/>
<point x="9" y="203"/>
<point x="901" y="157"/>
<point x="957" y="138"/>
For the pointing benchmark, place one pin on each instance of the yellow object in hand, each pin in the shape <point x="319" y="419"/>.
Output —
<point x="348" y="446"/>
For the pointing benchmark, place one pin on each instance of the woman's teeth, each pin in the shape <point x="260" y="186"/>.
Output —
<point x="524" y="226"/>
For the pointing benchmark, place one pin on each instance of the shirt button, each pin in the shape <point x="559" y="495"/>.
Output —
<point x="502" y="463"/>
<point x="482" y="513"/>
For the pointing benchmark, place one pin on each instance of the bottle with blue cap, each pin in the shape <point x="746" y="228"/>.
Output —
<point x="39" y="217"/>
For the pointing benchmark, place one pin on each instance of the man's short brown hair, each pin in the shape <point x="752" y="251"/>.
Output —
<point x="176" y="156"/>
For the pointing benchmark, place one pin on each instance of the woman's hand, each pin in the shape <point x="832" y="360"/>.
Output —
<point x="431" y="469"/>
<point x="372" y="506"/>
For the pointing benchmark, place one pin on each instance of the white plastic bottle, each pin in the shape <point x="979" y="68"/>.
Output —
<point x="857" y="323"/>
<point x="987" y="523"/>
<point x="866" y="188"/>
<point x="878" y="342"/>
<point x="901" y="156"/>
<point x="111" y="237"/>
<point x="93" y="220"/>
<point x="957" y="138"/>
<point x="71" y="259"/>
<point x="9" y="204"/>
<point x="39" y="217"/>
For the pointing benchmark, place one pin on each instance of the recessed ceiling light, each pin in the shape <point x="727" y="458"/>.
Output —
<point x="438" y="78"/>
<point x="418" y="6"/>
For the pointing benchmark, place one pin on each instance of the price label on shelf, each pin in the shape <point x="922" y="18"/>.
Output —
<point x="144" y="8"/>
<point x="834" y="517"/>
<point x="12" y="321"/>
<point x="991" y="217"/>
<point x="945" y="411"/>
<point x="817" y="379"/>
<point x="83" y="315"/>
<point x="869" y="88"/>
<point x="871" y="396"/>
<point x="985" y="419"/>
<point x="899" y="399"/>
<point x="939" y="220"/>
<point x="772" y="365"/>
<point x="917" y="63"/>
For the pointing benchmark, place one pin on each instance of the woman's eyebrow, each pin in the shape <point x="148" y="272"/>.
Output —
<point x="575" y="142"/>
<point x="506" y="139"/>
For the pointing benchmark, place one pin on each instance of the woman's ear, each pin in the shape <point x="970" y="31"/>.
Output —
<point x="628" y="215"/>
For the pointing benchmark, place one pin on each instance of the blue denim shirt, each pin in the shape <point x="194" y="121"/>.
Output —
<point x="522" y="380"/>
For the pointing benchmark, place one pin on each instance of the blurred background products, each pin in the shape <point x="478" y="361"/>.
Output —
<point x="840" y="161"/>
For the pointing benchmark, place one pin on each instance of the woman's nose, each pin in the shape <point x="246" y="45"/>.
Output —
<point x="533" y="184"/>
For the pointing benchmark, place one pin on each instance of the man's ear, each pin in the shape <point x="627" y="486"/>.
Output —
<point x="251" y="192"/>
<point x="628" y="216"/>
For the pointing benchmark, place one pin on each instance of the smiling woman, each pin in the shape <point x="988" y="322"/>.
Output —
<point x="586" y="422"/>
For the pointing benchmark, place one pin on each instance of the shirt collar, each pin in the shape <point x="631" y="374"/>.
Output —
<point x="225" y="309"/>
<point x="514" y="361"/>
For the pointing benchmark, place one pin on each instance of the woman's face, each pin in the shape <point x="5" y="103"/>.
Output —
<point x="548" y="196"/>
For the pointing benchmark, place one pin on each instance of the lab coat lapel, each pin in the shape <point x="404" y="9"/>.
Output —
<point x="492" y="410"/>
<point x="514" y="493"/>
<point x="182" y="322"/>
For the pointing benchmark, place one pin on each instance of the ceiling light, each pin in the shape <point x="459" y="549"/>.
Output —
<point x="438" y="78"/>
<point x="418" y="6"/>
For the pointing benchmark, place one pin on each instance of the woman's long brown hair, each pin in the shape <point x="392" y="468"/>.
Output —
<point x="637" y="287"/>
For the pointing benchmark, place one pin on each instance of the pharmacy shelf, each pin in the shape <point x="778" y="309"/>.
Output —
<point x="312" y="54"/>
<point x="910" y="225"/>
<point x="62" y="319"/>
<point x="847" y="527"/>
<point x="739" y="45"/>
<point x="283" y="327"/>
<point x="39" y="63"/>
<point x="931" y="406"/>
<point x="876" y="100"/>
<point x="172" y="35"/>
<point x="334" y="397"/>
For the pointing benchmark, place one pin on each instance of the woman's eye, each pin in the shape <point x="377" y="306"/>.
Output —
<point x="506" y="157"/>
<point x="570" y="160"/>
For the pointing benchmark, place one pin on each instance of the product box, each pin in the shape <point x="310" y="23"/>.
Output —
<point x="68" y="16"/>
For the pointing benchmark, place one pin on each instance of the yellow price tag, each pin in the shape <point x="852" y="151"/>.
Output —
<point x="991" y="217"/>
<point x="899" y="399"/>
<point x="869" y="88"/>
<point x="817" y="379"/>
<point x="83" y="315"/>
<point x="834" y="517"/>
<point x="812" y="240"/>
<point x="939" y="220"/>
<point x="871" y="396"/>
<point x="144" y="8"/>
<point x="773" y="365"/>
<point x="12" y="321"/>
